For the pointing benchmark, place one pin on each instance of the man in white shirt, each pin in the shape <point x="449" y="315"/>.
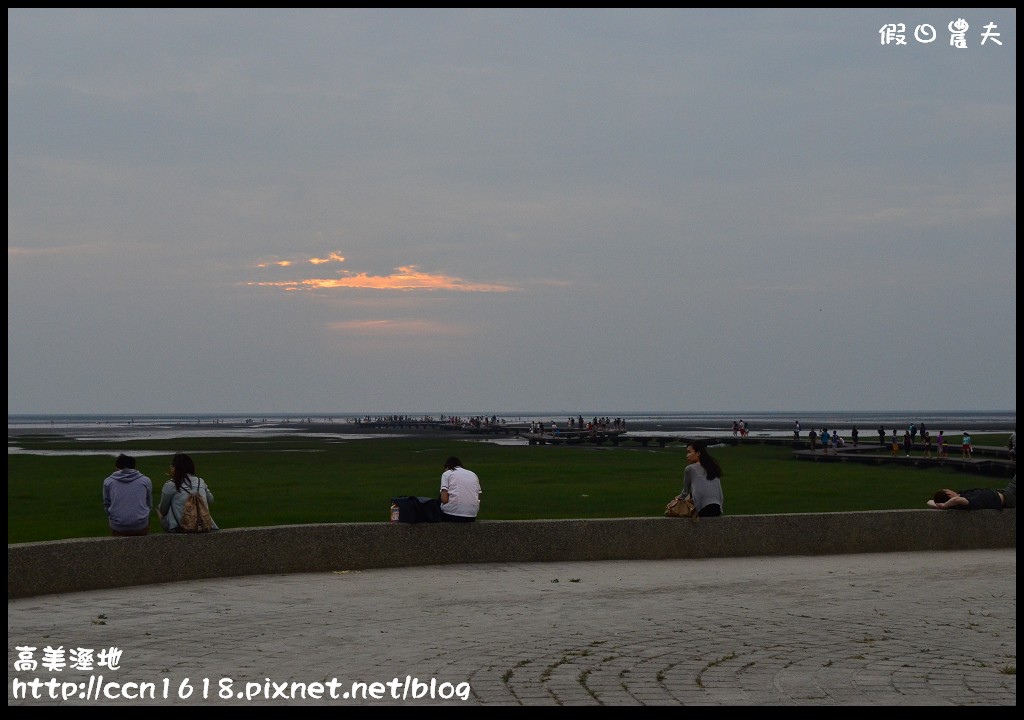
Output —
<point x="460" y="492"/>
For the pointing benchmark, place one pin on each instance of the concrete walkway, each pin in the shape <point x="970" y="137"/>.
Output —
<point x="921" y="628"/>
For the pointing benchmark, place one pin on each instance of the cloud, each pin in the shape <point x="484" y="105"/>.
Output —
<point x="18" y="252"/>
<point x="396" y="327"/>
<point x="27" y="252"/>
<point x="333" y="257"/>
<point x="406" y="277"/>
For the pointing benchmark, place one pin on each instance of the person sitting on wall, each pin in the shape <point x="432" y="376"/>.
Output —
<point x="460" y="492"/>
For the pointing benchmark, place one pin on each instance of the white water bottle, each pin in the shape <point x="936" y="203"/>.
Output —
<point x="394" y="512"/>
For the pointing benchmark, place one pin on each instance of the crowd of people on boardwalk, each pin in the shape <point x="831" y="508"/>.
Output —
<point x="601" y="424"/>
<point x="476" y="421"/>
<point x="831" y="441"/>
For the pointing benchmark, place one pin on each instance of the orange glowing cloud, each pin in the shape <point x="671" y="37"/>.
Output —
<point x="333" y="257"/>
<point x="404" y="278"/>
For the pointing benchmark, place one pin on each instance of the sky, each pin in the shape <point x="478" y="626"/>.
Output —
<point x="447" y="211"/>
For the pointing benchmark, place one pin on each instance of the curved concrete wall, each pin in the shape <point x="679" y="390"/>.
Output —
<point x="63" y="566"/>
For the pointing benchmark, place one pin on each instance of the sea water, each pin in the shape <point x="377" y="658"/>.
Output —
<point x="344" y="426"/>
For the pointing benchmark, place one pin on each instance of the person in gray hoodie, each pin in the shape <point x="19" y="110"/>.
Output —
<point x="128" y="498"/>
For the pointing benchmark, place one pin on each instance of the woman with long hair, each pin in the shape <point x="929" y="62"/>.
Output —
<point x="702" y="480"/>
<point x="182" y="482"/>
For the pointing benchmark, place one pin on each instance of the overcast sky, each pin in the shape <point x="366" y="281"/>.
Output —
<point x="441" y="211"/>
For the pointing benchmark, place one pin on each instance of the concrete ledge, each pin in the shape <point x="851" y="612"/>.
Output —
<point x="63" y="566"/>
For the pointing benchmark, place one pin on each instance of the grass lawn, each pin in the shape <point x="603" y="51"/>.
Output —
<point x="290" y="480"/>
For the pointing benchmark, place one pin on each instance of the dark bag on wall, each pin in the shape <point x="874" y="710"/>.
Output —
<point x="413" y="509"/>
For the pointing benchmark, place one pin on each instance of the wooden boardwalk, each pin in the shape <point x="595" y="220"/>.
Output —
<point x="985" y="460"/>
<point x="575" y="437"/>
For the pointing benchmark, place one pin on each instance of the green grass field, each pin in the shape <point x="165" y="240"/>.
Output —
<point x="289" y="480"/>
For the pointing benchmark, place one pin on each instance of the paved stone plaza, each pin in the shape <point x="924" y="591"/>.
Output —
<point x="921" y="628"/>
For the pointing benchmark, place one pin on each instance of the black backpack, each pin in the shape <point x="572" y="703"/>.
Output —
<point x="417" y="509"/>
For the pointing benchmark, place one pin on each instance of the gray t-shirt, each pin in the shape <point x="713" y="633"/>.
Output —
<point x="704" y="490"/>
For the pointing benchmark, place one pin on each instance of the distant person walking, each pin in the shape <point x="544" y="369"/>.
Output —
<point x="812" y="438"/>
<point x="965" y="445"/>
<point x="826" y="440"/>
<point x="127" y="498"/>
<point x="908" y="442"/>
<point x="927" y="439"/>
<point x="854" y="434"/>
<point x="940" y="445"/>
<point x="881" y="436"/>
<point x="796" y="431"/>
